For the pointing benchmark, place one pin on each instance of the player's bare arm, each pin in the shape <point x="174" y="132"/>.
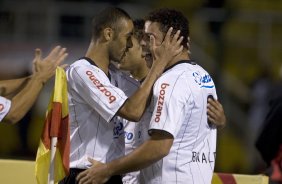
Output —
<point x="44" y="70"/>
<point x="216" y="113"/>
<point x="8" y="87"/>
<point x="151" y="151"/>
<point x="135" y="106"/>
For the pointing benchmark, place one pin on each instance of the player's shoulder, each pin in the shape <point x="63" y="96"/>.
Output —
<point x="82" y="66"/>
<point x="82" y="70"/>
<point x="181" y="67"/>
<point x="185" y="73"/>
<point x="115" y="72"/>
<point x="201" y="79"/>
<point x="122" y="76"/>
<point x="193" y="70"/>
<point x="130" y="80"/>
<point x="76" y="65"/>
<point x="176" y="72"/>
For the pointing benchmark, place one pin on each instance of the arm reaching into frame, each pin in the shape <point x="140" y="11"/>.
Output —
<point x="152" y="150"/>
<point x="44" y="69"/>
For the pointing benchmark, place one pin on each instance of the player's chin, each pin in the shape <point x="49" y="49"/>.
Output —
<point x="123" y="55"/>
<point x="123" y="66"/>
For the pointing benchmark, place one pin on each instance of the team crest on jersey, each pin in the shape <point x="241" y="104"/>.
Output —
<point x="1" y="107"/>
<point x="203" y="81"/>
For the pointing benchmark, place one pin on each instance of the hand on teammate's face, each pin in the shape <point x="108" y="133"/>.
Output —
<point x="169" y="48"/>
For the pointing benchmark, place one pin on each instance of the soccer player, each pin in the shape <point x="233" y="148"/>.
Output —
<point x="182" y="144"/>
<point x="24" y="91"/>
<point x="95" y="97"/>
<point x="136" y="65"/>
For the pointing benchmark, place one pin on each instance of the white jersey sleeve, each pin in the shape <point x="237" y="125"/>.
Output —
<point x="96" y="89"/>
<point x="169" y="99"/>
<point x="179" y="107"/>
<point x="5" y="105"/>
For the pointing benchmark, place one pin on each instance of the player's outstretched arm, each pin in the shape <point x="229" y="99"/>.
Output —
<point x="44" y="69"/>
<point x="216" y="113"/>
<point x="8" y="87"/>
<point x="135" y="106"/>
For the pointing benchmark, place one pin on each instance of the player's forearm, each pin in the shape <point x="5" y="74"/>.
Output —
<point x="147" y="154"/>
<point x="8" y="87"/>
<point x="135" y="106"/>
<point x="24" y="100"/>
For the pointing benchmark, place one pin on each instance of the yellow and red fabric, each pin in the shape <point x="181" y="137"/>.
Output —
<point x="224" y="178"/>
<point x="56" y="125"/>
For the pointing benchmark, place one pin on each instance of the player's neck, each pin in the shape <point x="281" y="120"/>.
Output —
<point x="182" y="56"/>
<point x="140" y="72"/>
<point x="98" y="53"/>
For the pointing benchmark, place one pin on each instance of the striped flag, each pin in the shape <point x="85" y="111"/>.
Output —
<point x="56" y="126"/>
<point x="229" y="178"/>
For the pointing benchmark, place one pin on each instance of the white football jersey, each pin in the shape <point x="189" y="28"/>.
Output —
<point x="136" y="134"/>
<point x="132" y="130"/>
<point x="94" y="100"/>
<point x="5" y="105"/>
<point x="179" y="106"/>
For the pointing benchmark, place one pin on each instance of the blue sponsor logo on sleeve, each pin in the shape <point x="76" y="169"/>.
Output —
<point x="203" y="81"/>
<point x="128" y="135"/>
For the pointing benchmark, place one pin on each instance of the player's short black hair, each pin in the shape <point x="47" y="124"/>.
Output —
<point x="109" y="17"/>
<point x="138" y="30"/>
<point x="171" y="18"/>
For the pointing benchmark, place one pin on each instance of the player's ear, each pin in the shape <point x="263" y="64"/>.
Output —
<point x="108" y="33"/>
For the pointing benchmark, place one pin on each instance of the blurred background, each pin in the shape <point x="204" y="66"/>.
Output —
<point x="237" y="41"/>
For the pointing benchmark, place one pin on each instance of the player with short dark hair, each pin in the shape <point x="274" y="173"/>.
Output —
<point x="167" y="18"/>
<point x="110" y="17"/>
